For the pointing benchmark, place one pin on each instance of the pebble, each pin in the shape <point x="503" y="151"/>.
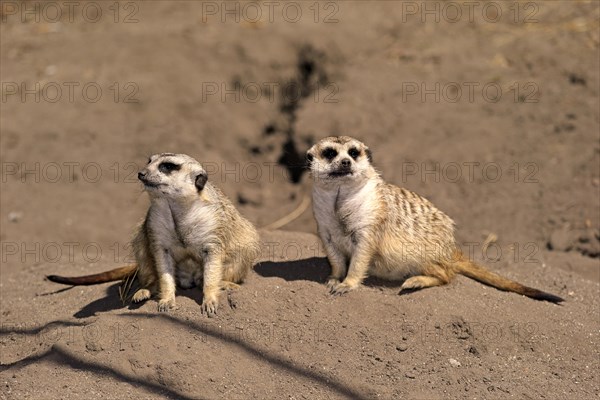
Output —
<point x="454" y="362"/>
<point x="402" y="347"/>
<point x="562" y="239"/>
<point x="93" y="346"/>
<point x="15" y="216"/>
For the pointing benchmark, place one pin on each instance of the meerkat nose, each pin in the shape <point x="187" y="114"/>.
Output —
<point x="345" y="162"/>
<point x="141" y="176"/>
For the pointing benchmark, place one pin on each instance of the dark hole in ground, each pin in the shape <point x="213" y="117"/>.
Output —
<point x="269" y="129"/>
<point x="575" y="79"/>
<point x="293" y="160"/>
<point x="255" y="150"/>
<point x="309" y="76"/>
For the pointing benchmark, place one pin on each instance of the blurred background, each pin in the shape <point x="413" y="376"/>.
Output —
<point x="490" y="109"/>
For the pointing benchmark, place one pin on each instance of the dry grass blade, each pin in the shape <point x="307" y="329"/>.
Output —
<point x="125" y="287"/>
<point x="491" y="238"/>
<point x="291" y="216"/>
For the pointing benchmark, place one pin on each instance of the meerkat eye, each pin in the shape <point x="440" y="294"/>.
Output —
<point x="329" y="153"/>
<point x="354" y="153"/>
<point x="149" y="160"/>
<point x="167" y="167"/>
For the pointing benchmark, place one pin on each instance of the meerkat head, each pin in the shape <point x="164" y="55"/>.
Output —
<point x="340" y="159"/>
<point x="173" y="175"/>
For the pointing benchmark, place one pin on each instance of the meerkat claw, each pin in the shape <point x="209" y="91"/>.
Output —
<point x="209" y="307"/>
<point x="341" y="288"/>
<point x="141" y="295"/>
<point x="332" y="282"/>
<point x="165" y="305"/>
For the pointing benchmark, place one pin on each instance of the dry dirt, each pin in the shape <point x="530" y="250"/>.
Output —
<point x="518" y="168"/>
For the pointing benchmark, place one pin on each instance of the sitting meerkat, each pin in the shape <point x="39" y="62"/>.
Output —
<point x="192" y="234"/>
<point x="370" y="227"/>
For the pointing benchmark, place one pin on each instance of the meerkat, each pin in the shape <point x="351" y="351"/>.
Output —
<point x="191" y="235"/>
<point x="370" y="227"/>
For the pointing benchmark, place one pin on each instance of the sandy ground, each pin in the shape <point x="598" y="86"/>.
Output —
<point x="495" y="118"/>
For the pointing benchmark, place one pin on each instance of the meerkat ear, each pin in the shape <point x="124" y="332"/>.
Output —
<point x="369" y="154"/>
<point x="309" y="156"/>
<point x="201" y="179"/>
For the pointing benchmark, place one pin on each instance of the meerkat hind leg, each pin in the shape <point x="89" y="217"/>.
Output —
<point x="226" y="285"/>
<point x="141" y="295"/>
<point x="436" y="274"/>
<point x="421" y="282"/>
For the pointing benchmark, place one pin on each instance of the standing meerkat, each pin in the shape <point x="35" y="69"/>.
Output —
<point x="192" y="234"/>
<point x="370" y="227"/>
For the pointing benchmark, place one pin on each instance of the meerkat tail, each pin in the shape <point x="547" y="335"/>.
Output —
<point x="116" y="274"/>
<point x="482" y="275"/>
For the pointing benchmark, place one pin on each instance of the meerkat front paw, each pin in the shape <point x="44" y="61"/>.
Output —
<point x="165" y="305"/>
<point x="209" y="306"/>
<point x="210" y="303"/>
<point x="341" y="288"/>
<point x="332" y="282"/>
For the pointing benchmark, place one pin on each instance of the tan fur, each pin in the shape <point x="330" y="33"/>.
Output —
<point x="192" y="234"/>
<point x="370" y="227"/>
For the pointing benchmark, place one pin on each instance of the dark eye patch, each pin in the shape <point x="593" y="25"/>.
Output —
<point x="354" y="153"/>
<point x="329" y="153"/>
<point x="168" y="167"/>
